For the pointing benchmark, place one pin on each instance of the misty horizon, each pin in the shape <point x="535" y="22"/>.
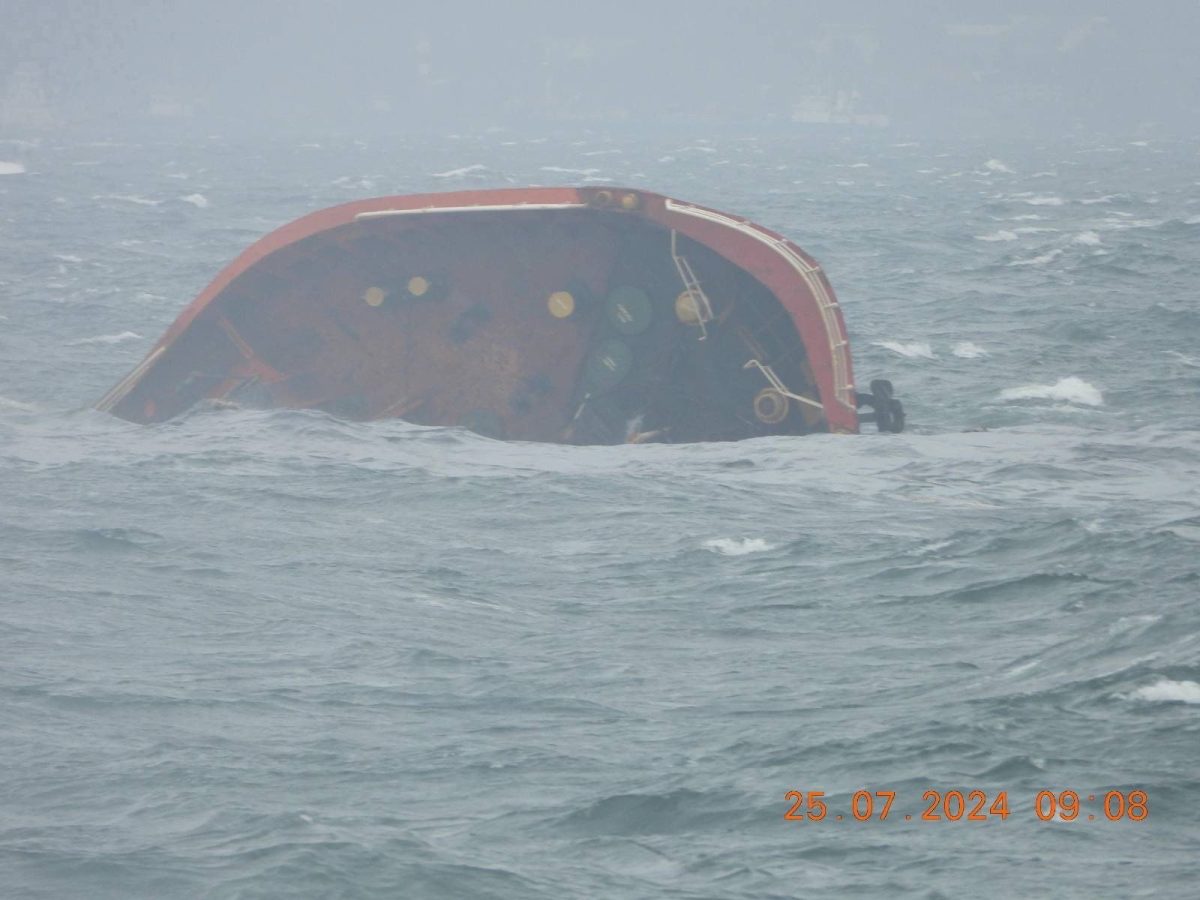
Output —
<point x="945" y="69"/>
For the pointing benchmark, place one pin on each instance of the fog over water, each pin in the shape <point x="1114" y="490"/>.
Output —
<point x="272" y="653"/>
<point x="934" y="67"/>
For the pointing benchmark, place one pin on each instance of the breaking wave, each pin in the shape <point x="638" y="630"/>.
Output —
<point x="1069" y="390"/>
<point x="1038" y="260"/>
<point x="968" y="350"/>
<point x="107" y="339"/>
<point x="128" y="198"/>
<point x="458" y="173"/>
<point x="731" y="547"/>
<point x="1167" y="691"/>
<point x="912" y="349"/>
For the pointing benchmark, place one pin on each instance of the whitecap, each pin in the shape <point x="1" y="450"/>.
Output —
<point x="995" y="165"/>
<point x="1037" y="260"/>
<point x="1192" y="220"/>
<point x="68" y="257"/>
<point x="197" y="200"/>
<point x="564" y="171"/>
<point x="1001" y="235"/>
<point x="11" y="168"/>
<point x="1107" y="198"/>
<point x="968" y="350"/>
<point x="458" y="173"/>
<point x="1024" y="217"/>
<point x="1190" y="361"/>
<point x="912" y="349"/>
<point x="1044" y="200"/>
<point x="731" y="547"/>
<point x="6" y="403"/>
<point x="107" y="339"/>
<point x="1087" y="238"/>
<point x="1070" y="390"/>
<point x="128" y="198"/>
<point x="1167" y="691"/>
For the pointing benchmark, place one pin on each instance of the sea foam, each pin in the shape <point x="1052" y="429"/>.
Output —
<point x="107" y="339"/>
<point x="912" y="349"/>
<point x="1038" y="260"/>
<point x="458" y="173"/>
<point x="731" y="547"/>
<point x="1069" y="390"/>
<point x="968" y="350"/>
<point x="1167" y="691"/>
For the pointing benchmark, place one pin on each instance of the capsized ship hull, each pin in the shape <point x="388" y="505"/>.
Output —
<point x="574" y="315"/>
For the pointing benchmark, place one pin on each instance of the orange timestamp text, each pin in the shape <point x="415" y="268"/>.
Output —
<point x="970" y="806"/>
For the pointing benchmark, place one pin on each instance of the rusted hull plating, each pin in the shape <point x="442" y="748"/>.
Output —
<point x="578" y="315"/>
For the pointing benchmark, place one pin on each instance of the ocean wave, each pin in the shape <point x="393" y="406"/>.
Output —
<point x="7" y="403"/>
<point x="995" y="165"/>
<point x="1041" y="260"/>
<point x="968" y="350"/>
<point x="565" y="171"/>
<point x="1087" y="238"/>
<point x="128" y="198"/>
<point x="1001" y="235"/>
<point x="1044" y="200"/>
<point x="197" y="200"/>
<point x="1192" y="362"/>
<point x="106" y="339"/>
<point x="912" y="349"/>
<point x="458" y="173"/>
<point x="11" y="168"/>
<point x="1070" y="390"/>
<point x="1167" y="691"/>
<point x="732" y="547"/>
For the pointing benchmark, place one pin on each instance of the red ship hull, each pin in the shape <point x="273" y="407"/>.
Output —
<point x="579" y="315"/>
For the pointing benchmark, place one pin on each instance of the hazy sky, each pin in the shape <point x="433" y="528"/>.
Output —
<point x="924" y="67"/>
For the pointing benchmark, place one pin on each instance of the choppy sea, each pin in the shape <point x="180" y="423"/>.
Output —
<point x="251" y="654"/>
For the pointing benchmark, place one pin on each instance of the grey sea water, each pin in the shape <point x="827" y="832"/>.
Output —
<point x="252" y="654"/>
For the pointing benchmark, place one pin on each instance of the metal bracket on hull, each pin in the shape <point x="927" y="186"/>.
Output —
<point x="843" y="385"/>
<point x="779" y="386"/>
<point x="704" y="311"/>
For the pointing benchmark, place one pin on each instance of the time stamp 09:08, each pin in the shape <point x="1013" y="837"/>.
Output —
<point x="970" y="806"/>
